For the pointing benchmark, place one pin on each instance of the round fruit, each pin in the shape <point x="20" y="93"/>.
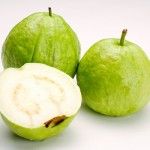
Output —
<point x="38" y="101"/>
<point x="114" y="77"/>
<point x="42" y="38"/>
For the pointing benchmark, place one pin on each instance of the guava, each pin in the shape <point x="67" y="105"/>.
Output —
<point x="42" y="38"/>
<point x="38" y="101"/>
<point x="114" y="77"/>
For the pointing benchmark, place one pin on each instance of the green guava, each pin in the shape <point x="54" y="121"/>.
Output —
<point x="114" y="77"/>
<point x="42" y="38"/>
<point x="38" y="101"/>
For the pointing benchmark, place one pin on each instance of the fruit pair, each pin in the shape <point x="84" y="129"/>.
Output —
<point x="114" y="77"/>
<point x="38" y="101"/>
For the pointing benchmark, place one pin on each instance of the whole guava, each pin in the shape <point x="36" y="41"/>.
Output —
<point x="114" y="77"/>
<point x="42" y="38"/>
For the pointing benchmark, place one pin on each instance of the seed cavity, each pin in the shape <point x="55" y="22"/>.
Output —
<point x="57" y="101"/>
<point x="46" y="79"/>
<point x="55" y="121"/>
<point x="31" y="108"/>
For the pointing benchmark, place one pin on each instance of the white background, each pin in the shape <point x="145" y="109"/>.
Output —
<point x="92" y="20"/>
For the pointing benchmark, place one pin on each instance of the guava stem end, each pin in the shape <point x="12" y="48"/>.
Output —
<point x="123" y="35"/>
<point x="50" y="11"/>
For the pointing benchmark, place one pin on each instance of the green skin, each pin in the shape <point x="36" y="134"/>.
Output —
<point x="114" y="79"/>
<point x="39" y="133"/>
<point x="42" y="38"/>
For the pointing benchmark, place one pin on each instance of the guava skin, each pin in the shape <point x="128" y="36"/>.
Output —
<point x="44" y="39"/>
<point x="114" y="80"/>
<point x="40" y="133"/>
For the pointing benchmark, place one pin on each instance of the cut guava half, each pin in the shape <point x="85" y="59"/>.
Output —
<point x="38" y="101"/>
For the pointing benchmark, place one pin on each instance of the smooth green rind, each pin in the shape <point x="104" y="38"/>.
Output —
<point x="44" y="39"/>
<point x="40" y="133"/>
<point x="114" y="80"/>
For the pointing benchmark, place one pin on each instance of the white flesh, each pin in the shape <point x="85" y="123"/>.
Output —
<point x="36" y="93"/>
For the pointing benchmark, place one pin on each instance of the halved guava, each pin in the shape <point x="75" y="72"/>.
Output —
<point x="38" y="101"/>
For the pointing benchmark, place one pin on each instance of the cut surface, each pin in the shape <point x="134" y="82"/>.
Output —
<point x="35" y="94"/>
